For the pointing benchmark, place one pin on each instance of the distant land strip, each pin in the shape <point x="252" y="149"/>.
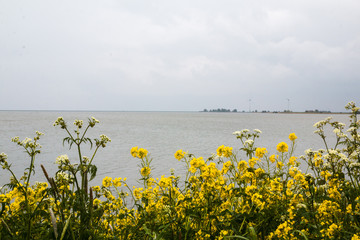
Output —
<point x="264" y="111"/>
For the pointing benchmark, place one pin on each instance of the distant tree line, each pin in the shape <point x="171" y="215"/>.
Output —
<point x="220" y="110"/>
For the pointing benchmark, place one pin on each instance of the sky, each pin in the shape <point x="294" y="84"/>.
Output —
<point x="158" y="55"/>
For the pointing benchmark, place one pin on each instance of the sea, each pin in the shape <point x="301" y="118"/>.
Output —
<point x="161" y="133"/>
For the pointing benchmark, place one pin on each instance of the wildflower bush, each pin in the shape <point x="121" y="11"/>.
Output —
<point x="249" y="193"/>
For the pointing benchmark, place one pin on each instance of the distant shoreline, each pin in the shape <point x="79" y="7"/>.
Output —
<point x="274" y="112"/>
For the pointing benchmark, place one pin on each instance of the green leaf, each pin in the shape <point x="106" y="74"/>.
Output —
<point x="92" y="170"/>
<point x="66" y="226"/>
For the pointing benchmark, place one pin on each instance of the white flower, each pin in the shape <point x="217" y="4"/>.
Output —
<point x="323" y="187"/>
<point x="332" y="151"/>
<point x="328" y="119"/>
<point x="62" y="176"/>
<point x="336" y="131"/>
<point x="78" y="123"/>
<point x="59" y="121"/>
<point x="86" y="159"/>
<point x="257" y="131"/>
<point x="300" y="205"/>
<point x="62" y="159"/>
<point x="3" y="157"/>
<point x="39" y="133"/>
<point x="351" y="129"/>
<point x="237" y="133"/>
<point x="244" y="130"/>
<point x="354" y="155"/>
<point x="95" y="120"/>
<point x="352" y="165"/>
<point x="25" y="141"/>
<point x="319" y="123"/>
<point x="105" y="138"/>
<point x="343" y="157"/>
<point x="342" y="135"/>
<point x="249" y="142"/>
<point x="308" y="151"/>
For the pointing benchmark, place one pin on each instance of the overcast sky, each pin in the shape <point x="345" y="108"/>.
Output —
<point x="179" y="55"/>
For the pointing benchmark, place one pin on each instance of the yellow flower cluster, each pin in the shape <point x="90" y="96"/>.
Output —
<point x="282" y="147"/>
<point x="292" y="137"/>
<point x="258" y="196"/>
<point x="260" y="152"/>
<point x="179" y="154"/>
<point x="137" y="152"/>
<point x="224" y="151"/>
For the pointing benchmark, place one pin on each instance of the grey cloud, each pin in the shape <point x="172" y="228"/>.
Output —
<point x="120" y="54"/>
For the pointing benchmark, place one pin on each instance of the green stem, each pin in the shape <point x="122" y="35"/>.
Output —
<point x="82" y="137"/>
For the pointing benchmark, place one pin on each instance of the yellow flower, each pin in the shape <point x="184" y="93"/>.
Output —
<point x="226" y="167"/>
<point x="96" y="202"/>
<point x="355" y="237"/>
<point x="279" y="165"/>
<point x="107" y="181"/>
<point x="282" y="147"/>
<point x="142" y="153"/>
<point x="242" y="165"/>
<point x="259" y="172"/>
<point x="224" y="151"/>
<point x="299" y="177"/>
<point x="292" y="137"/>
<point x="253" y="161"/>
<point x="332" y="230"/>
<point x="134" y="151"/>
<point x="273" y="158"/>
<point x="179" y="154"/>
<point x="292" y="161"/>
<point x="145" y="171"/>
<point x="137" y="192"/>
<point x="317" y="160"/>
<point x="260" y="152"/>
<point x="117" y="182"/>
<point x="197" y="162"/>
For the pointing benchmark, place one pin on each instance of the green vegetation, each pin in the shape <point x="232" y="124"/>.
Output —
<point x="247" y="193"/>
<point x="220" y="110"/>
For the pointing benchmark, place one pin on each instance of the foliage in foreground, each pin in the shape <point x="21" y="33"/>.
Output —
<point x="256" y="195"/>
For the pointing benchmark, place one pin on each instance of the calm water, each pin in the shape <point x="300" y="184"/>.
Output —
<point x="162" y="133"/>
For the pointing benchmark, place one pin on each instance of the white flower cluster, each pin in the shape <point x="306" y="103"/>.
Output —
<point x="78" y="123"/>
<point x="354" y="165"/>
<point x="62" y="159"/>
<point x="249" y="142"/>
<point x="339" y="133"/>
<point x="240" y="133"/>
<point x="28" y="142"/>
<point x="322" y="122"/>
<point x="60" y="121"/>
<point x="355" y="154"/>
<point x="333" y="151"/>
<point x="257" y="131"/>
<point x="3" y="157"/>
<point x="62" y="176"/>
<point x="93" y="121"/>
<point x="86" y="159"/>
<point x="309" y="151"/>
<point x="104" y="138"/>
<point x="246" y="133"/>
